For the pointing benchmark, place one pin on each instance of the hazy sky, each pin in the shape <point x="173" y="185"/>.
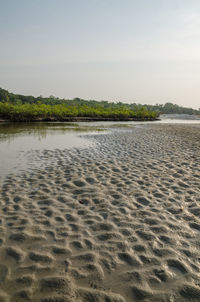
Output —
<point x="146" y="51"/>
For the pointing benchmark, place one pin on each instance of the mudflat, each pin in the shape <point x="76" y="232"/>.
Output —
<point x="112" y="223"/>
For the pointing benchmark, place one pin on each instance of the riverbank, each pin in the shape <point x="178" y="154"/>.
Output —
<point x="117" y="222"/>
<point x="83" y="119"/>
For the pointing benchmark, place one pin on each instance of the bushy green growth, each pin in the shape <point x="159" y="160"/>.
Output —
<point x="168" y="108"/>
<point x="27" y="108"/>
<point x="29" y="112"/>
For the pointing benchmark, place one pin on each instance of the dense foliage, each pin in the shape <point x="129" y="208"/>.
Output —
<point x="26" y="108"/>
<point x="28" y="112"/>
<point x="167" y="108"/>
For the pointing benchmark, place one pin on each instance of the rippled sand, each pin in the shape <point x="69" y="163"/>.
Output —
<point x="117" y="222"/>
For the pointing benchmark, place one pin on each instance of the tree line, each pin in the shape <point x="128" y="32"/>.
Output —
<point x="21" y="107"/>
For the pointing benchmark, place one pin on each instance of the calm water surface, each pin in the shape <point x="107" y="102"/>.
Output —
<point x="17" y="140"/>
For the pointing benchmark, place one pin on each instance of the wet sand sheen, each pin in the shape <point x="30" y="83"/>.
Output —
<point x="117" y="222"/>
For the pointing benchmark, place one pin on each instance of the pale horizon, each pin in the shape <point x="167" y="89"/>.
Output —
<point x="120" y="51"/>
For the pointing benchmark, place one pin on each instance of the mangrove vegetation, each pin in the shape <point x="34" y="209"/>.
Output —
<point x="15" y="107"/>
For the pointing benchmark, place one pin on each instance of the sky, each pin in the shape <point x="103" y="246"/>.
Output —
<point x="144" y="51"/>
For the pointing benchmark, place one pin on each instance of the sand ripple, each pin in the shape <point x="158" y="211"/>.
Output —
<point x="119" y="222"/>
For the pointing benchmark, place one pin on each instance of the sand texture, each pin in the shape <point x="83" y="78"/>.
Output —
<point x="113" y="223"/>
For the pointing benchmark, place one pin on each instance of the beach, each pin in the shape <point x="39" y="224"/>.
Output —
<point x="116" y="222"/>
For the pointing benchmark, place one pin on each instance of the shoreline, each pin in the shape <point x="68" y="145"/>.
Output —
<point x="80" y="119"/>
<point x="118" y="222"/>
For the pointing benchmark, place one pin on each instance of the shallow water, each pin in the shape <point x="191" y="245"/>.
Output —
<point x="18" y="140"/>
<point x="164" y="119"/>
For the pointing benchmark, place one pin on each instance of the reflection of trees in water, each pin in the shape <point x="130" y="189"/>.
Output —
<point x="10" y="131"/>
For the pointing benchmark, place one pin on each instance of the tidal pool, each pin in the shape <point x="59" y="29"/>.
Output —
<point x="17" y="140"/>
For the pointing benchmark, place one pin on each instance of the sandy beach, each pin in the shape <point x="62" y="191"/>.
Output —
<point x="116" y="222"/>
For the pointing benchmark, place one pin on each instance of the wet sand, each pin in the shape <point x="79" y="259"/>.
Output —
<point x="113" y="223"/>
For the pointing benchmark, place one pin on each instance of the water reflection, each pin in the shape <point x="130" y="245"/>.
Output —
<point x="18" y="140"/>
<point x="9" y="131"/>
